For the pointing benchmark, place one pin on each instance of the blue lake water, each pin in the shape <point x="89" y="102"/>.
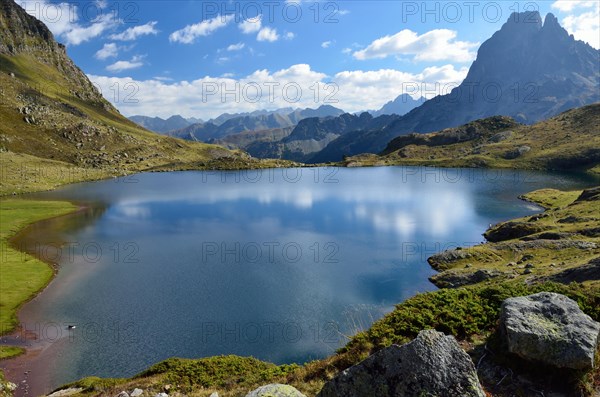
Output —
<point x="282" y="265"/>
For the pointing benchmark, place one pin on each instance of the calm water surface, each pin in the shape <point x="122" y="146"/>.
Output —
<point x="282" y="265"/>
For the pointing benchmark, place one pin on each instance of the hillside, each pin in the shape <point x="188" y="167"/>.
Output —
<point x="528" y="70"/>
<point x="569" y="141"/>
<point x="57" y="128"/>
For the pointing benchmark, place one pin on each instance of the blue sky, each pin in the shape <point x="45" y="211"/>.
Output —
<point x="203" y="58"/>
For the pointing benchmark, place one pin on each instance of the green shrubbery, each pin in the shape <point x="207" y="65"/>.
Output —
<point x="217" y="372"/>
<point x="464" y="313"/>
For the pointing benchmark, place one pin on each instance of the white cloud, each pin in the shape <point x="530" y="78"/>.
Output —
<point x="356" y="90"/>
<point x="289" y="35"/>
<point x="63" y="20"/>
<point x="585" y="25"/>
<point x="251" y="25"/>
<point x="110" y="50"/>
<point x="236" y="47"/>
<point x="435" y="45"/>
<point x="136" y="31"/>
<point x="570" y="5"/>
<point x="58" y="17"/>
<point x="347" y="50"/>
<point x="100" y="24"/>
<point x="326" y="44"/>
<point x="189" y="34"/>
<point x="119" y="66"/>
<point x="267" y="34"/>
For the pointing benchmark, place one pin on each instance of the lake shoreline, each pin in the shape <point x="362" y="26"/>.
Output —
<point x="18" y="368"/>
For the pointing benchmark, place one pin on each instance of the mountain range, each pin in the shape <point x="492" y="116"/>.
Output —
<point x="211" y="131"/>
<point x="160" y="125"/>
<point x="528" y="70"/>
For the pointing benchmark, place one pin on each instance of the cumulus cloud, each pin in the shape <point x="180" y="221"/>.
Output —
<point x="352" y="91"/>
<point x="190" y="33"/>
<point x="136" y="31"/>
<point x="251" y="25"/>
<point x="110" y="50"/>
<point x="289" y="35"/>
<point x="267" y="34"/>
<point x="119" y="66"/>
<point x="582" y="20"/>
<point x="326" y="44"/>
<point x="570" y="5"/>
<point x="435" y="45"/>
<point x="99" y="25"/>
<point x="63" y="20"/>
<point x="236" y="47"/>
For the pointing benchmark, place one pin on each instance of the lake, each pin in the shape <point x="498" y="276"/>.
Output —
<point x="283" y="265"/>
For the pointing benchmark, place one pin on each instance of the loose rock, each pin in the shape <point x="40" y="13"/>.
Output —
<point x="549" y="328"/>
<point x="431" y="365"/>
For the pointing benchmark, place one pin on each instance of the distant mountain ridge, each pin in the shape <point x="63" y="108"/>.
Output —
<point x="403" y="104"/>
<point x="256" y="121"/>
<point x="160" y="125"/>
<point x="528" y="70"/>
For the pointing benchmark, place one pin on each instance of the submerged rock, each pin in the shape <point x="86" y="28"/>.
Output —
<point x="275" y="390"/>
<point x="549" y="328"/>
<point x="431" y="365"/>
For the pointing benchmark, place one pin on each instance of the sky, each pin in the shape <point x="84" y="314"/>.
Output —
<point x="204" y="58"/>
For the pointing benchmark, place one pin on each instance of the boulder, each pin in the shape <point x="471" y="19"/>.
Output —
<point x="551" y="329"/>
<point x="431" y="365"/>
<point x="275" y="390"/>
<point x="136" y="392"/>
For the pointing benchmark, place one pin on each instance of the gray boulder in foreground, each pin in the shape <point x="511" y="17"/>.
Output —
<point x="275" y="390"/>
<point x="431" y="365"/>
<point x="550" y="328"/>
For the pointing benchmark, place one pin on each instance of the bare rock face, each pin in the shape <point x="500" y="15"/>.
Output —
<point x="431" y="365"/>
<point x="551" y="329"/>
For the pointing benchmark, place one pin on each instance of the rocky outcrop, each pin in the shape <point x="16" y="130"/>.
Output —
<point x="578" y="274"/>
<point x="592" y="194"/>
<point x="549" y="328"/>
<point x="275" y="390"/>
<point x="456" y="279"/>
<point x="431" y="365"/>
<point x="511" y="230"/>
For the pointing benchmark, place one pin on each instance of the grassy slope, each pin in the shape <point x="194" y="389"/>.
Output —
<point x="562" y="142"/>
<point x="544" y="233"/>
<point x="22" y="275"/>
<point x="469" y="313"/>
